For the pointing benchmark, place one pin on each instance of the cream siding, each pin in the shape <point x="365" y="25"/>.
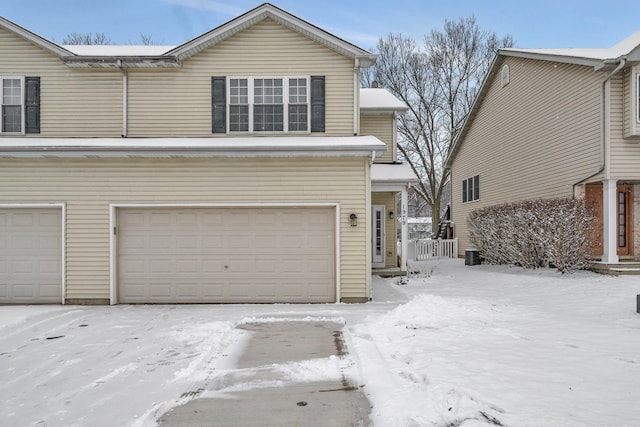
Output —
<point x="624" y="153"/>
<point x="73" y="102"/>
<point x="534" y="138"/>
<point x="391" y="251"/>
<point x="177" y="102"/>
<point x="89" y="186"/>
<point x="380" y="126"/>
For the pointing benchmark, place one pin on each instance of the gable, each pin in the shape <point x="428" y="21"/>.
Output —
<point x="271" y="48"/>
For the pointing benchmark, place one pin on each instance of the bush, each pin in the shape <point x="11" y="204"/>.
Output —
<point x="537" y="233"/>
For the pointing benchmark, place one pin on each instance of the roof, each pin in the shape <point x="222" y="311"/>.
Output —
<point x="379" y="99"/>
<point x="391" y="173"/>
<point x="627" y="50"/>
<point x="267" y="10"/>
<point x="117" y="50"/>
<point x="275" y="146"/>
<point x="581" y="56"/>
<point x="171" y="56"/>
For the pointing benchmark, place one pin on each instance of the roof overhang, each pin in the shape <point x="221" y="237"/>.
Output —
<point x="34" y="38"/>
<point x="121" y="61"/>
<point x="566" y="59"/>
<point x="354" y="146"/>
<point x="282" y="17"/>
<point x="392" y="176"/>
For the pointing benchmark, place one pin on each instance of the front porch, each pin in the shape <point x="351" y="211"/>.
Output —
<point x="621" y="268"/>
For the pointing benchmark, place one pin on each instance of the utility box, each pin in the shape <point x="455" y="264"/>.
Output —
<point x="637" y="303"/>
<point x="471" y="257"/>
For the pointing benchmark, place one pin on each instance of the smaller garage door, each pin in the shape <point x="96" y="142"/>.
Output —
<point x="226" y="255"/>
<point x="30" y="256"/>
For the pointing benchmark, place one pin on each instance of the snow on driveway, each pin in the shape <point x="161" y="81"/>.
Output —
<point x="463" y="346"/>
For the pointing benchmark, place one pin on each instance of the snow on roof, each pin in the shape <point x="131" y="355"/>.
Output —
<point x="154" y="147"/>
<point x="379" y="99"/>
<point x="117" y="50"/>
<point x="601" y="54"/>
<point x="392" y="173"/>
<point x="420" y="220"/>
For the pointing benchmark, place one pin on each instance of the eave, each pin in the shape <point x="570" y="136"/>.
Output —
<point x="282" y="17"/>
<point x="356" y="146"/>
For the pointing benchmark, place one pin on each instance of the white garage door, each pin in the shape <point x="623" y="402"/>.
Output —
<point x="226" y="255"/>
<point x="30" y="256"/>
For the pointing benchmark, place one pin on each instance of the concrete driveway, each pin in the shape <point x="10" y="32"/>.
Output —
<point x="177" y="365"/>
<point x="259" y="391"/>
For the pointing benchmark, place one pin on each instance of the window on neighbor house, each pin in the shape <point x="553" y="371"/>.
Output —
<point x="268" y="104"/>
<point x="19" y="104"/>
<point x="471" y="189"/>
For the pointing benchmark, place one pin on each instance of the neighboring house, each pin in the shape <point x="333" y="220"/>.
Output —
<point x="555" y="123"/>
<point x="236" y="167"/>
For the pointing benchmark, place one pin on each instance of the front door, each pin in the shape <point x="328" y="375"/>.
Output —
<point x="623" y="211"/>
<point x="593" y="196"/>
<point x="377" y="235"/>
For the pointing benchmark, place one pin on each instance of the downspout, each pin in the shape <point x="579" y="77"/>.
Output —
<point x="125" y="96"/>
<point x="603" y="122"/>
<point x="356" y="97"/>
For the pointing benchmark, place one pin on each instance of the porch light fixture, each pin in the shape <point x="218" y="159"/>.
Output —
<point x="391" y="215"/>
<point x="354" y="220"/>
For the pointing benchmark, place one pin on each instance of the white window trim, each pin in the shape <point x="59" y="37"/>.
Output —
<point x="22" y="104"/>
<point x="285" y="104"/>
<point x="637" y="97"/>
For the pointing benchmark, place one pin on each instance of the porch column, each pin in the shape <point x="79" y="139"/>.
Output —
<point x="404" y="228"/>
<point x="609" y="235"/>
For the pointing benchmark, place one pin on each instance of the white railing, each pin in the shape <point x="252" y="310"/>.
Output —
<point x="424" y="249"/>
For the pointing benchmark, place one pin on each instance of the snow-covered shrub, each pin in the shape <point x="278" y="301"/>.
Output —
<point x="535" y="233"/>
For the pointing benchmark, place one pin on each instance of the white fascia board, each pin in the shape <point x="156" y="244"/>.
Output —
<point x="576" y="60"/>
<point x="192" y="147"/>
<point x="258" y="14"/>
<point x="34" y="38"/>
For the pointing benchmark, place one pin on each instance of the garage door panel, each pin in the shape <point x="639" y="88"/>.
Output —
<point x="226" y="254"/>
<point x="30" y="255"/>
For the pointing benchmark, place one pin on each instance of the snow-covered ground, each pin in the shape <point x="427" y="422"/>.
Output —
<point x="457" y="346"/>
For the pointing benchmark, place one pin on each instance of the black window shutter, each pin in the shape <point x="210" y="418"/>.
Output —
<point x="32" y="104"/>
<point x="464" y="191"/>
<point x="476" y="187"/>
<point x="219" y="104"/>
<point x="317" y="104"/>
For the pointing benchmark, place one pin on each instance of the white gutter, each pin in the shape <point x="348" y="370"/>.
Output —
<point x="356" y="97"/>
<point x="125" y="98"/>
<point x="603" y="122"/>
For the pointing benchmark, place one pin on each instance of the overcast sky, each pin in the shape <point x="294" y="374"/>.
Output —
<point x="532" y="23"/>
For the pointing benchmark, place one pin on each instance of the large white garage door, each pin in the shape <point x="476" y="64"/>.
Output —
<point x="226" y="255"/>
<point x="30" y="256"/>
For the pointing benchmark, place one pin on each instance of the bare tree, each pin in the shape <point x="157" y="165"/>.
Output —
<point x="86" y="39"/>
<point x="438" y="80"/>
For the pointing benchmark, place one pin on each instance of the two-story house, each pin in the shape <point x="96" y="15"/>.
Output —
<point x="241" y="166"/>
<point x="557" y="123"/>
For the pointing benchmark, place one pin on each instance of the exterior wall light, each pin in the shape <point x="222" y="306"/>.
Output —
<point x="354" y="220"/>
<point x="391" y="215"/>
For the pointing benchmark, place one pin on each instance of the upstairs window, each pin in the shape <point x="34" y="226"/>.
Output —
<point x="19" y="104"/>
<point x="471" y="189"/>
<point x="12" y="105"/>
<point x="268" y="104"/>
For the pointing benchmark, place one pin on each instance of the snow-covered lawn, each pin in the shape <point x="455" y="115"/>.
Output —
<point x="464" y="346"/>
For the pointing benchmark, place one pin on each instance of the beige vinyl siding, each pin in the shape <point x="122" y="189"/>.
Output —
<point x="177" y="102"/>
<point x="624" y="153"/>
<point x="73" y="102"/>
<point x="380" y="126"/>
<point x="88" y="186"/>
<point x="533" y="138"/>
<point x="391" y="250"/>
